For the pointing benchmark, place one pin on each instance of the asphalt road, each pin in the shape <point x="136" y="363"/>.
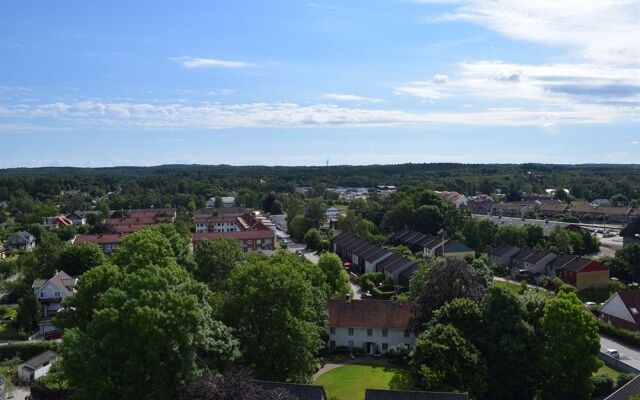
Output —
<point x="628" y="355"/>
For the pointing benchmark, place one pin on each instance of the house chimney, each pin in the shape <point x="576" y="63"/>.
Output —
<point x="55" y="272"/>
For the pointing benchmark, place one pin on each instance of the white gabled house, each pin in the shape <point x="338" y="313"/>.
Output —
<point x="51" y="292"/>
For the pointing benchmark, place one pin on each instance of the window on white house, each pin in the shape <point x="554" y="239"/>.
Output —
<point x="385" y="346"/>
<point x="407" y="333"/>
<point x="41" y="294"/>
<point x="369" y="332"/>
<point x="56" y="294"/>
<point x="350" y="331"/>
<point x="385" y="332"/>
<point x="332" y="330"/>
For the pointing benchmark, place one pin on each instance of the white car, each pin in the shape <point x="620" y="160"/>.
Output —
<point x="613" y="353"/>
<point x="590" y="304"/>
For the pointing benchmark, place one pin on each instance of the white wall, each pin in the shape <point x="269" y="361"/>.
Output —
<point x="394" y="337"/>
<point x="616" y="307"/>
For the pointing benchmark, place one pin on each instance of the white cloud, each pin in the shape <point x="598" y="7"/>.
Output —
<point x="600" y="31"/>
<point x="440" y="78"/>
<point x="350" y="97"/>
<point x="635" y="142"/>
<point x="197" y="62"/>
<point x="149" y="116"/>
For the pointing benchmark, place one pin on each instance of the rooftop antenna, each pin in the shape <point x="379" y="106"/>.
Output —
<point x="327" y="162"/>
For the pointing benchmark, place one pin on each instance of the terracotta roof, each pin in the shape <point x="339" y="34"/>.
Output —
<point x="100" y="238"/>
<point x="385" y="314"/>
<point x="631" y="300"/>
<point x="239" y="235"/>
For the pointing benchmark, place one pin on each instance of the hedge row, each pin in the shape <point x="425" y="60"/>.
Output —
<point x="25" y="350"/>
<point x="623" y="335"/>
<point x="381" y="295"/>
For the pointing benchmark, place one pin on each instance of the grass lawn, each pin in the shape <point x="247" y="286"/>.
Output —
<point x="350" y="381"/>
<point x="609" y="371"/>
<point x="515" y="288"/>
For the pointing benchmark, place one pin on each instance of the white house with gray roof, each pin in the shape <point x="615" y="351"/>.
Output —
<point x="51" y="292"/>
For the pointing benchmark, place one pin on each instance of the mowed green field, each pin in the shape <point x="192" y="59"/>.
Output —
<point x="349" y="382"/>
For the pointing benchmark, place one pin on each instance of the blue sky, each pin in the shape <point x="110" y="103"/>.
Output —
<point x="297" y="83"/>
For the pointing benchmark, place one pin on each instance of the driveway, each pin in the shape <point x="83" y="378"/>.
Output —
<point x="20" y="392"/>
<point x="628" y="354"/>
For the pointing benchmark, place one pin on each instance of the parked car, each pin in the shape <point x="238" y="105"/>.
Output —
<point x="51" y="335"/>
<point x="590" y="304"/>
<point x="613" y="353"/>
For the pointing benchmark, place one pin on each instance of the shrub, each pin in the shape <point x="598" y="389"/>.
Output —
<point x="340" y="350"/>
<point x="602" y="385"/>
<point x="623" y="335"/>
<point x="566" y="288"/>
<point x="25" y="351"/>
<point x="399" y="353"/>
<point x="623" y="378"/>
<point x="358" y="351"/>
<point x="380" y="294"/>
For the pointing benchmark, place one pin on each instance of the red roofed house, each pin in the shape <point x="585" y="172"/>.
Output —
<point x="622" y="310"/>
<point x="252" y="234"/>
<point x="108" y="242"/>
<point x="372" y="325"/>
<point x="583" y="273"/>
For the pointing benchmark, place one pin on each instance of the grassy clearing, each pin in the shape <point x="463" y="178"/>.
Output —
<point x="609" y="371"/>
<point x="515" y="288"/>
<point x="349" y="382"/>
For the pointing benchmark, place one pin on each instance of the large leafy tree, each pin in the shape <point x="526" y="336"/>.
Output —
<point x="76" y="260"/>
<point x="571" y="345"/>
<point x="464" y="315"/>
<point x="336" y="276"/>
<point x="48" y="253"/>
<point x="142" y="327"/>
<point x="509" y="346"/>
<point x="215" y="260"/>
<point x="443" y="282"/>
<point x="275" y="311"/>
<point x="444" y="360"/>
<point x="28" y="311"/>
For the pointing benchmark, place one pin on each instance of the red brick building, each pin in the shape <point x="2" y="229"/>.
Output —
<point x="250" y="241"/>
<point x="622" y="310"/>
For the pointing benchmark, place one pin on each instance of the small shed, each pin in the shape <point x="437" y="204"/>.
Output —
<point x="36" y="367"/>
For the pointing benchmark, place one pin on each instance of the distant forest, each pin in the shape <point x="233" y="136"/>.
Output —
<point x="178" y="184"/>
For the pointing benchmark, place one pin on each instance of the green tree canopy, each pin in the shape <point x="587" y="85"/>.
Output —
<point x="274" y="310"/>
<point x="571" y="345"/>
<point x="215" y="260"/>
<point x="140" y="328"/>
<point x="337" y="277"/>
<point x="76" y="260"/>
<point x="444" y="360"/>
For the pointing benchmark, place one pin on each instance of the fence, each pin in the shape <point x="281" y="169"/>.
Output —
<point x="617" y="364"/>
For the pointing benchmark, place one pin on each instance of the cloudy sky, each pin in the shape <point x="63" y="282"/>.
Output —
<point x="296" y="83"/>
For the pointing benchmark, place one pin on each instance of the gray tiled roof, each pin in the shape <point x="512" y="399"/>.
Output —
<point x="504" y="249"/>
<point x="40" y="359"/>
<point x="376" y="394"/>
<point x="624" y="393"/>
<point x="302" y="392"/>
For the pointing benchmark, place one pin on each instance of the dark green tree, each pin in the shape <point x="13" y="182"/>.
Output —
<point x="571" y="345"/>
<point x="215" y="260"/>
<point x="76" y="260"/>
<point x="148" y="303"/>
<point x="444" y="360"/>
<point x="272" y="301"/>
<point x="28" y="312"/>
<point x="509" y="346"/>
